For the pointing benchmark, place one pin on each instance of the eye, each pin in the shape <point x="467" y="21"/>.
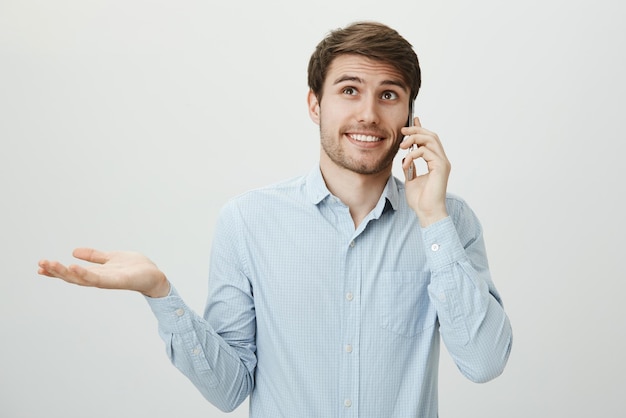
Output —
<point x="389" y="95"/>
<point x="349" y="91"/>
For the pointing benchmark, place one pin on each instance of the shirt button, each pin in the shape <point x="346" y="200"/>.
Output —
<point x="349" y="296"/>
<point x="180" y="312"/>
<point x="434" y="247"/>
<point x="196" y="351"/>
<point x="348" y="348"/>
<point x="351" y="244"/>
<point x="347" y="403"/>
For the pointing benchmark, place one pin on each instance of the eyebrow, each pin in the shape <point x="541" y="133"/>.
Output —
<point x="359" y="80"/>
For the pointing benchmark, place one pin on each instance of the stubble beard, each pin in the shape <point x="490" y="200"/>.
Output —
<point x="336" y="153"/>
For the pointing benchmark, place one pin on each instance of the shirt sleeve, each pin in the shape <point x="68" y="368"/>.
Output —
<point x="473" y="323"/>
<point x="219" y="362"/>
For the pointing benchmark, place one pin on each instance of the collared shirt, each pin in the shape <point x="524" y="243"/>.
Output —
<point x="312" y="317"/>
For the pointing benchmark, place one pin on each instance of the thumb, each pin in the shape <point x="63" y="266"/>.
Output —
<point x="91" y="255"/>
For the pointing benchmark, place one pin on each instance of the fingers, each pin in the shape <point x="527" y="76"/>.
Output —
<point x="429" y="146"/>
<point x="416" y="135"/>
<point x="71" y="274"/>
<point x="51" y="268"/>
<point x="55" y="269"/>
<point x="429" y="149"/>
<point x="432" y="164"/>
<point x="421" y="152"/>
<point x="45" y="269"/>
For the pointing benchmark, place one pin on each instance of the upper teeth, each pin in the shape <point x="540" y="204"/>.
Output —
<point x="365" y="138"/>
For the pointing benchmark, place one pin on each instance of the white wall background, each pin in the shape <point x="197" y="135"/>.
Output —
<point x="128" y="124"/>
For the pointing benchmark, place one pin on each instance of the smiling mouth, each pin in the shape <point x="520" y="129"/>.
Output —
<point x="365" y="138"/>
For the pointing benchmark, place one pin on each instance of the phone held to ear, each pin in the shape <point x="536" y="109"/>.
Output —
<point x="411" y="122"/>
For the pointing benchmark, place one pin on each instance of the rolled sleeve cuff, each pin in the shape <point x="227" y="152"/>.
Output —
<point x="442" y="244"/>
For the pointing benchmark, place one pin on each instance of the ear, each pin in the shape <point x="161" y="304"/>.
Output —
<point x="314" y="107"/>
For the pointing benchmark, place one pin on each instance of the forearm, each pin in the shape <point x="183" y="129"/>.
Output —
<point x="218" y="370"/>
<point x="473" y="323"/>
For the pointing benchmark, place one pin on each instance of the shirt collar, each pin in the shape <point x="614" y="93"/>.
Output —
<point x="315" y="186"/>
<point x="317" y="190"/>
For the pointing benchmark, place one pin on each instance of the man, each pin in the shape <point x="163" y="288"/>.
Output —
<point x="329" y="292"/>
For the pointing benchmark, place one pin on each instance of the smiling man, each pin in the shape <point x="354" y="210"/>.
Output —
<point x="367" y="104"/>
<point x="330" y="292"/>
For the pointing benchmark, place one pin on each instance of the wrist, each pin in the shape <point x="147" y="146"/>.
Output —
<point x="428" y="219"/>
<point x="162" y="289"/>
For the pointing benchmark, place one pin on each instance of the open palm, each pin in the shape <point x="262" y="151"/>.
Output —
<point x="110" y="270"/>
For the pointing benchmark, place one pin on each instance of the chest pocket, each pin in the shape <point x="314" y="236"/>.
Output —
<point x="402" y="303"/>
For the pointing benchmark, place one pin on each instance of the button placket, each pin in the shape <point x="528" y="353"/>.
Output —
<point x="349" y="371"/>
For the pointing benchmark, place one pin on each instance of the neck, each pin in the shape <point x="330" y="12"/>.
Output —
<point x="360" y="192"/>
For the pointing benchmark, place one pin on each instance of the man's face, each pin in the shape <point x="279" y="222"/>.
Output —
<point x="364" y="105"/>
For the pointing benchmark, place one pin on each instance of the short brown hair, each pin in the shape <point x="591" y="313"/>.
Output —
<point x="370" y="39"/>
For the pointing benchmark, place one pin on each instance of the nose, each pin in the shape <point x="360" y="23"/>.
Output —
<point x="368" y="111"/>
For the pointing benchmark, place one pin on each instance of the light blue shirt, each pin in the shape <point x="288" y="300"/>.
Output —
<point x="311" y="317"/>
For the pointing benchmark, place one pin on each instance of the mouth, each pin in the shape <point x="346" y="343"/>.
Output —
<point x="365" y="138"/>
